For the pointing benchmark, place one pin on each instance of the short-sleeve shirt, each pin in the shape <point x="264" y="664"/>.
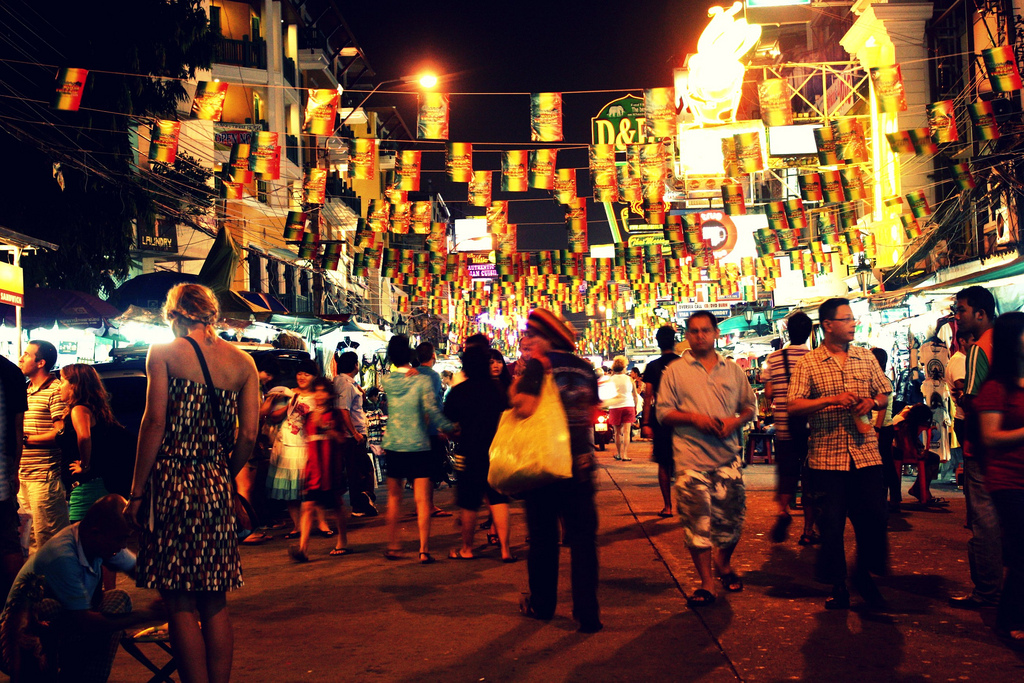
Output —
<point x="688" y="386"/>
<point x="775" y="372"/>
<point x="45" y="406"/>
<point x="350" y="398"/>
<point x="13" y="400"/>
<point x="835" y="439"/>
<point x="652" y="376"/>
<point x="956" y="369"/>
<point x="70" y="577"/>
<point x="1004" y="465"/>
<point x="978" y="361"/>
<point x="477" y="405"/>
<point x="577" y="386"/>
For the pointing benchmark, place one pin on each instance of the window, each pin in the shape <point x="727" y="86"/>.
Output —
<point x="215" y="20"/>
<point x="255" y="272"/>
<point x="273" y="277"/>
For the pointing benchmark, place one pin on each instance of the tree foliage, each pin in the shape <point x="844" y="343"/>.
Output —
<point x="92" y="219"/>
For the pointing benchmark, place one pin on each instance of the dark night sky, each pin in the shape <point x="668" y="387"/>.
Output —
<point x="522" y="47"/>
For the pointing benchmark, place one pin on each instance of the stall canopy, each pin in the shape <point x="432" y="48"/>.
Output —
<point x="46" y="307"/>
<point x="737" y="323"/>
<point x="148" y="290"/>
<point x="264" y="301"/>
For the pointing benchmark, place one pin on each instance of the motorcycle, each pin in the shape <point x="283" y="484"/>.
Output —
<point x="602" y="432"/>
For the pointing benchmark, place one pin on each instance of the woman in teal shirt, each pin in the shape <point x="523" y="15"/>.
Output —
<point x="412" y="408"/>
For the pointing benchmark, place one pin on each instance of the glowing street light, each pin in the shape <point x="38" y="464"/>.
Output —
<point x="427" y="80"/>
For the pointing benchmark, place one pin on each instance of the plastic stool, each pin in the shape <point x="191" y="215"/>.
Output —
<point x="156" y="635"/>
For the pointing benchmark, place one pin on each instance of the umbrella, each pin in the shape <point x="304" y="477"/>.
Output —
<point x="45" y="307"/>
<point x="148" y="290"/>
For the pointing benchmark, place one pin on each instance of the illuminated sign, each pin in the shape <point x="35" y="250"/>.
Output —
<point x="712" y="86"/>
<point x="12" y="285"/>
<point x="481" y="266"/>
<point x="719" y="231"/>
<point x="621" y="122"/>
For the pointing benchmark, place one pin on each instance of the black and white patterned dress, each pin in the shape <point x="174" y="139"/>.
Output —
<point x="189" y="542"/>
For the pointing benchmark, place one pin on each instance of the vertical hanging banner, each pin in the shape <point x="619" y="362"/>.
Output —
<point x="265" y="159"/>
<point x="942" y="121"/>
<point x="321" y="109"/>
<point x="962" y="176"/>
<point x="775" y="99"/>
<point x="653" y="171"/>
<point x="480" y="188"/>
<point x="795" y="214"/>
<point x="314" y="189"/>
<point x="332" y="257"/>
<point x="432" y="117"/>
<point x="497" y="217"/>
<point x="900" y="142"/>
<point x="420" y="217"/>
<point x="911" y="228"/>
<point x="1001" y="66"/>
<point x="546" y="117"/>
<point x="378" y="215"/>
<point x="748" y="151"/>
<point x="362" y="158"/>
<point x="730" y="160"/>
<point x="923" y="143"/>
<point x="605" y="185"/>
<point x="853" y="183"/>
<point x="458" y="161"/>
<point x="775" y="212"/>
<point x="628" y="181"/>
<point x="565" y="185"/>
<point x="578" y="236"/>
<point x="810" y="187"/>
<point x="163" y="145"/>
<point x="660" y="112"/>
<point x="208" y="103"/>
<point x="825" y="141"/>
<point x="237" y="169"/>
<point x="983" y="119"/>
<point x="294" y="226"/>
<point x="230" y="190"/>
<point x="918" y="204"/>
<point x="732" y="199"/>
<point x="851" y="146"/>
<point x="542" y="168"/>
<point x="576" y="210"/>
<point x="407" y="170"/>
<point x="401" y="218"/>
<point x="514" y="171"/>
<point x="832" y="186"/>
<point x="889" y="93"/>
<point x="67" y="94"/>
<point x="848" y="216"/>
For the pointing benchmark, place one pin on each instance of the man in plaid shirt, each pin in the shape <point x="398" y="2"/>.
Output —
<point x="835" y="385"/>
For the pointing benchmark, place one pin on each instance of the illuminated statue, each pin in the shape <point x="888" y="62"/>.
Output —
<point x="715" y="78"/>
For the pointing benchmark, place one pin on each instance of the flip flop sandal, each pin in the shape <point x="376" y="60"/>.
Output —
<point x="427" y="558"/>
<point x="339" y="552"/>
<point x="325" y="534"/>
<point x="492" y="539"/>
<point x="664" y="514"/>
<point x="393" y="555"/>
<point x="510" y="559"/>
<point x="700" y="598"/>
<point x="292" y="534"/>
<point x="456" y="555"/>
<point x="731" y="582"/>
<point x="440" y="513"/>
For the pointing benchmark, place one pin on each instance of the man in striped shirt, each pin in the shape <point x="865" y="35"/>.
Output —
<point x="42" y="493"/>
<point x="790" y="452"/>
<point x="975" y="312"/>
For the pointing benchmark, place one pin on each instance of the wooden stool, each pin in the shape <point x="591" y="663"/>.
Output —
<point x="159" y="637"/>
<point x="760" y="438"/>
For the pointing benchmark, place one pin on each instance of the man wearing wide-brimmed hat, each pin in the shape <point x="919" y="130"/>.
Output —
<point x="550" y="344"/>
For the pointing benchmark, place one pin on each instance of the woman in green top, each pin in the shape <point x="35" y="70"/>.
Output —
<point x="412" y="408"/>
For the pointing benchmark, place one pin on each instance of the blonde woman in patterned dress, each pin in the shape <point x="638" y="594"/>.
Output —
<point x="181" y="496"/>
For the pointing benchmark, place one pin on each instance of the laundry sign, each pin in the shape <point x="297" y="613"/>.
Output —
<point x="12" y="285"/>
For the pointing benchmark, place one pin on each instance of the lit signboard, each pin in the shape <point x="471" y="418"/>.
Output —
<point x="471" y="235"/>
<point x="792" y="141"/>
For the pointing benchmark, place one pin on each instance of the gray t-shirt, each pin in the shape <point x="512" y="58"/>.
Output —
<point x="350" y="398"/>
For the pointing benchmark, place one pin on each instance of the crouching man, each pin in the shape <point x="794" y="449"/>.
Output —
<point x="58" y="624"/>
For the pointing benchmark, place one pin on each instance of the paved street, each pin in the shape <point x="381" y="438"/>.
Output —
<point x="365" y="619"/>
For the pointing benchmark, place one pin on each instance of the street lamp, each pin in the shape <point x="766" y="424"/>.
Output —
<point x="425" y="80"/>
<point x="748" y="314"/>
<point x="864" y="275"/>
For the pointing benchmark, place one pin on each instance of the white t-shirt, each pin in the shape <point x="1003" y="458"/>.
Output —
<point x="956" y="369"/>
<point x="623" y="391"/>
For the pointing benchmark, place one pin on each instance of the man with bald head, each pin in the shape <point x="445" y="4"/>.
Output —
<point x="57" y="607"/>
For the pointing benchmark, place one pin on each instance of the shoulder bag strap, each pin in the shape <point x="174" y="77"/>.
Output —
<point x="785" y="363"/>
<point x="214" y="399"/>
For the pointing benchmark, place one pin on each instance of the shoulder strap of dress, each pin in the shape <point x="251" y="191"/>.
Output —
<point x="214" y="399"/>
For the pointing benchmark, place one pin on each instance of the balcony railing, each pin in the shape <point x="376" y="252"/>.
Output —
<point x="245" y="52"/>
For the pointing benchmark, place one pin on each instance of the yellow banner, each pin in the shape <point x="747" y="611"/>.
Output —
<point x="12" y="285"/>
<point x="546" y="117"/>
<point x="432" y="117"/>
<point x="321" y="108"/>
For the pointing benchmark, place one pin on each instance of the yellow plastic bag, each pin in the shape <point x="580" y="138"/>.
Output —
<point x="531" y="452"/>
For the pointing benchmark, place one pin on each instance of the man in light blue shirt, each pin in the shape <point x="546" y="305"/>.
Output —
<point x="60" y="585"/>
<point x="706" y="399"/>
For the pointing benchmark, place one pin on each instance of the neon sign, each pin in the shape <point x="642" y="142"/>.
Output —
<point x="714" y="80"/>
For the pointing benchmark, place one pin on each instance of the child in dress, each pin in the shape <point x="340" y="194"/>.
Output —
<point x="324" y="475"/>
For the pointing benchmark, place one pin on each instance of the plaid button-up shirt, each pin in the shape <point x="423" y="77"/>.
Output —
<point x="835" y="439"/>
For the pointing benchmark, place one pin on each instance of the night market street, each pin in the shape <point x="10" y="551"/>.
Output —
<point x="362" y="618"/>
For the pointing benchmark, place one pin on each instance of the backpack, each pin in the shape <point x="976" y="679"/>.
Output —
<point x="798" y="429"/>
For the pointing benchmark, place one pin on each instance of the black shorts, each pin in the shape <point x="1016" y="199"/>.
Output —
<point x="323" y="498"/>
<point x="409" y="464"/>
<point x="661" y="448"/>
<point x="789" y="461"/>
<point x="472" y="485"/>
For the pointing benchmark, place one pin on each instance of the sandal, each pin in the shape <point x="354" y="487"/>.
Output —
<point x="258" y="538"/>
<point x="440" y="513"/>
<point x="809" y="539"/>
<point x="297" y="555"/>
<point x="510" y="559"/>
<point x="700" y="597"/>
<point x="338" y="552"/>
<point x="731" y="582"/>
<point x="454" y="554"/>
<point x="393" y="555"/>
<point x="664" y="514"/>
<point x="492" y="539"/>
<point x="324" y="534"/>
<point x="292" y="534"/>
<point x="427" y="558"/>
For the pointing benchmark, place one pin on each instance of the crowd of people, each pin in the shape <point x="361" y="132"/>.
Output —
<point x="224" y="439"/>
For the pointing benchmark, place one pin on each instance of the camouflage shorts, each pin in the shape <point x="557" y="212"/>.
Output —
<point x="711" y="505"/>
